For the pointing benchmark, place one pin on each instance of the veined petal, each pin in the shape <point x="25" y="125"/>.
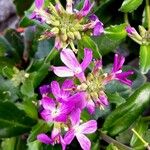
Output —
<point x="39" y="3"/>
<point x="46" y="115"/>
<point x="88" y="127"/>
<point x="48" y="103"/>
<point x="75" y="117"/>
<point x="98" y="29"/>
<point x="87" y="58"/>
<point x="85" y="143"/>
<point x="69" y="136"/>
<point x="66" y="88"/>
<point x="63" y="71"/>
<point x="44" y="138"/>
<point x="55" y="89"/>
<point x="70" y="60"/>
<point x="118" y="62"/>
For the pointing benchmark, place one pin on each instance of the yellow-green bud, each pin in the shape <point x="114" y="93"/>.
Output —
<point x="55" y="30"/>
<point x="70" y="35"/>
<point x="77" y="35"/>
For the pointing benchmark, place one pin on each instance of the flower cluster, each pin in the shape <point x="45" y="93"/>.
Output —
<point x="67" y="25"/>
<point x="63" y="105"/>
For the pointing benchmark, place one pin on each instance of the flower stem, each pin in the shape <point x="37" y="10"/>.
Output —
<point x="148" y="13"/>
<point x="51" y="55"/>
<point x="126" y="18"/>
<point x="142" y="140"/>
<point x="109" y="140"/>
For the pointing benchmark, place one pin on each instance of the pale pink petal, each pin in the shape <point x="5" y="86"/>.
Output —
<point x="55" y="132"/>
<point x="44" y="138"/>
<point x="69" y="59"/>
<point x="55" y="89"/>
<point x="87" y="58"/>
<point x="63" y="71"/>
<point x="69" y="136"/>
<point x="85" y="143"/>
<point x="88" y="127"/>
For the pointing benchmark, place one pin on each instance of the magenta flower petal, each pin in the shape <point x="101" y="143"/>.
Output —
<point x="96" y="25"/>
<point x="118" y="62"/>
<point x="130" y="30"/>
<point x="87" y="58"/>
<point x="88" y="127"/>
<point x="63" y="71"/>
<point x="55" y="89"/>
<point x="85" y="9"/>
<point x="75" y="117"/>
<point x="70" y="60"/>
<point x="46" y="115"/>
<point x="103" y="99"/>
<point x="44" y="138"/>
<point x="45" y="89"/>
<point x="48" y="103"/>
<point x="90" y="106"/>
<point x="67" y="87"/>
<point x="69" y="136"/>
<point x="39" y="3"/>
<point x="85" y="143"/>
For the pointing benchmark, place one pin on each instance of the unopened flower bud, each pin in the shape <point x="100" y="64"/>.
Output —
<point x="70" y="35"/>
<point x="77" y="35"/>
<point x="55" y="30"/>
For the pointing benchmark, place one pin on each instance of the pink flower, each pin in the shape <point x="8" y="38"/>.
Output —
<point x="117" y="72"/>
<point x="79" y="131"/>
<point x="73" y="67"/>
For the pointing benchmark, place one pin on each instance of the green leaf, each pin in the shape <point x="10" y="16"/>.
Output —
<point x="140" y="127"/>
<point x="22" y="5"/>
<point x="145" y="58"/>
<point x="13" y="121"/>
<point x="16" y="41"/>
<point x="111" y="38"/>
<point x="115" y="98"/>
<point x="40" y="127"/>
<point x="29" y="106"/>
<point x="36" y="145"/>
<point x="124" y="115"/>
<point x="111" y="147"/>
<point x="27" y="88"/>
<point x="130" y="5"/>
<point x="7" y="91"/>
<point x="87" y="42"/>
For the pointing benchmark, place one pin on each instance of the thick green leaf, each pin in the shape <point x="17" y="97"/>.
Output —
<point x="87" y="42"/>
<point x="145" y="58"/>
<point x="111" y="38"/>
<point x="130" y="5"/>
<point x="124" y="115"/>
<point x="36" y="145"/>
<point x="140" y="127"/>
<point x="13" y="121"/>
